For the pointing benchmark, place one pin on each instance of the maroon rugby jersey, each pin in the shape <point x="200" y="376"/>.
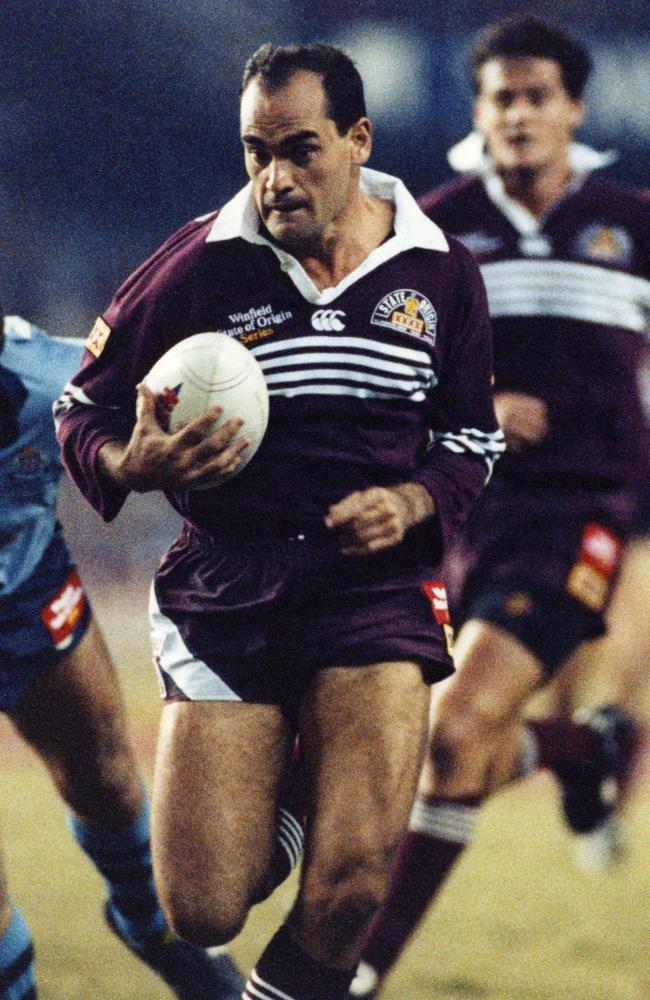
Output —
<point x="569" y="297"/>
<point x="381" y="380"/>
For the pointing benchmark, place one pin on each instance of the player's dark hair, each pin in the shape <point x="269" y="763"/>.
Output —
<point x="529" y="36"/>
<point x="274" y="65"/>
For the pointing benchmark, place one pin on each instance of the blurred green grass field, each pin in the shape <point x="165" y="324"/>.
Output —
<point x="516" y="921"/>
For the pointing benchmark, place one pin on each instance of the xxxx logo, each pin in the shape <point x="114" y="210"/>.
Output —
<point x="328" y="319"/>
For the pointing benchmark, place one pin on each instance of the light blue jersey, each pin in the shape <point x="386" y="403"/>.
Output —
<point x="30" y="468"/>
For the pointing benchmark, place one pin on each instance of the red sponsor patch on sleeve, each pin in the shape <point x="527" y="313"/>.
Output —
<point x="62" y="613"/>
<point x="437" y="594"/>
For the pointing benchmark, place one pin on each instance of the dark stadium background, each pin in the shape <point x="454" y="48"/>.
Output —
<point x="118" y="118"/>
<point x="119" y="122"/>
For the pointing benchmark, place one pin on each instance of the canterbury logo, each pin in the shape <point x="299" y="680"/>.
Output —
<point x="328" y="319"/>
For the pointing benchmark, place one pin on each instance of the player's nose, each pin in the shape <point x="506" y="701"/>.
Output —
<point x="519" y="110"/>
<point x="278" y="176"/>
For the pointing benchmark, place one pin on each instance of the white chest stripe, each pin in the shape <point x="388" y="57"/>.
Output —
<point x="346" y="366"/>
<point x="567" y="289"/>
<point x="336" y="343"/>
<point x="343" y="360"/>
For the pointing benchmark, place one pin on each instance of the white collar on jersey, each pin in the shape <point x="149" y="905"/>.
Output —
<point x="470" y="155"/>
<point x="240" y="218"/>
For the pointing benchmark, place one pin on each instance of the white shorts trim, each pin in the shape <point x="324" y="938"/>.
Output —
<point x="171" y="657"/>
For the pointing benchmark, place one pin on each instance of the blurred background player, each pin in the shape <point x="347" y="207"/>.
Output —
<point x="303" y="592"/>
<point x="614" y="669"/>
<point x="566" y="262"/>
<point x="59" y="688"/>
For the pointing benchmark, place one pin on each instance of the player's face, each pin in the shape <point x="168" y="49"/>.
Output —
<point x="525" y="113"/>
<point x="303" y="171"/>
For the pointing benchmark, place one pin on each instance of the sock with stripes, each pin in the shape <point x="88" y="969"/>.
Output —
<point x="286" y="972"/>
<point x="439" y="830"/>
<point x="287" y="853"/>
<point x="289" y="834"/>
<point x="17" y="961"/>
<point x="123" y="859"/>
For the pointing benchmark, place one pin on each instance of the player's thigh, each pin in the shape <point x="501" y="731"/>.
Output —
<point x="75" y="705"/>
<point x="216" y="779"/>
<point x="363" y="732"/>
<point x="73" y="715"/>
<point x="474" y="714"/>
<point x="495" y="673"/>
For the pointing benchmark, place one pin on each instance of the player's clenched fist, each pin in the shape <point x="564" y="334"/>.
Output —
<point x="378" y="518"/>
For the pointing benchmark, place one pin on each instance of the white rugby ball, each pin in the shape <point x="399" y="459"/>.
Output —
<point x="205" y="370"/>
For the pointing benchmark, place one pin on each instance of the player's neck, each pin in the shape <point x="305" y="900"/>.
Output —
<point x="363" y="225"/>
<point x="538" y="189"/>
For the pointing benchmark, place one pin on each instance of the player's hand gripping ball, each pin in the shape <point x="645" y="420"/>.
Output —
<point x="205" y="370"/>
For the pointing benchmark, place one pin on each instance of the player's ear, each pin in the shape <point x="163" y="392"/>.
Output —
<point x="578" y="111"/>
<point x="360" y="135"/>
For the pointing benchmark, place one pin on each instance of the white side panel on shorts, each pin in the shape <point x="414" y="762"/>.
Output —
<point x="171" y="656"/>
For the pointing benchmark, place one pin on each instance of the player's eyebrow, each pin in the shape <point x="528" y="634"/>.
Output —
<point x="290" y="140"/>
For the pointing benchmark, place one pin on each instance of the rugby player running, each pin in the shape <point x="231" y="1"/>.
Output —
<point x="59" y="688"/>
<point x="566" y="261"/>
<point x="302" y="595"/>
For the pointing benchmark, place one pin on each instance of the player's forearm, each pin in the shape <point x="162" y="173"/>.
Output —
<point x="120" y="464"/>
<point x="110" y="463"/>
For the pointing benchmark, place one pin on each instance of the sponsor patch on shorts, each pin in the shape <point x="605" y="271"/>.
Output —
<point x="599" y="557"/>
<point x="63" y="612"/>
<point x="600" y="549"/>
<point x="437" y="594"/>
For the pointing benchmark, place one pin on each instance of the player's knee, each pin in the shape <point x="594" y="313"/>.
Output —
<point x="203" y="920"/>
<point x="462" y="738"/>
<point x="340" y="899"/>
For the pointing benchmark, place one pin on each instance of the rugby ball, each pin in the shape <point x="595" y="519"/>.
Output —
<point x="205" y="370"/>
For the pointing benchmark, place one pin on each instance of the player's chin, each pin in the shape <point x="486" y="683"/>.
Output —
<point x="293" y="233"/>
<point x="522" y="158"/>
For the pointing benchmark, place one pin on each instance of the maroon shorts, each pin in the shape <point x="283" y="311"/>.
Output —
<point x="253" y="621"/>
<point x="540" y="565"/>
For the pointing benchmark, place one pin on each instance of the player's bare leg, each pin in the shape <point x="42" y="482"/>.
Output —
<point x="478" y="742"/>
<point x="217" y="778"/>
<point x="73" y="715"/>
<point x="363" y="733"/>
<point x="476" y="732"/>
